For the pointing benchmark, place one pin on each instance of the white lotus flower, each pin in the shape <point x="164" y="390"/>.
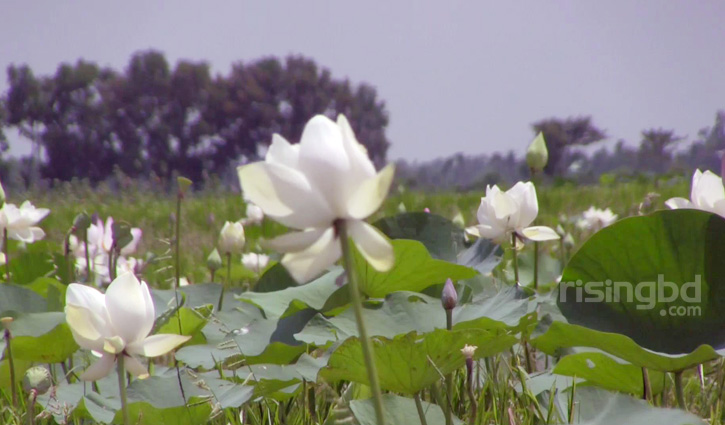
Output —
<point x="231" y="238"/>
<point x="324" y="181"/>
<point x="707" y="194"/>
<point x="101" y="271"/>
<point x="255" y="215"/>
<point x="255" y="262"/>
<point x="596" y="218"/>
<point x="100" y="240"/>
<point x="503" y="213"/>
<point x="21" y="222"/>
<point x="116" y="324"/>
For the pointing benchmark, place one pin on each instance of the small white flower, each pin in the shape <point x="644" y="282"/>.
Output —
<point x="255" y="262"/>
<point x="116" y="324"/>
<point x="503" y="213"/>
<point x="324" y="181"/>
<point x="707" y="194"/>
<point x="595" y="219"/>
<point x="21" y="222"/>
<point x="231" y="238"/>
<point x="468" y="351"/>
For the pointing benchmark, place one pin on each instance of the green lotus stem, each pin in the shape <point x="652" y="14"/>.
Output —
<point x="646" y="386"/>
<point x="177" y="251"/>
<point x="11" y="363"/>
<point x="527" y="353"/>
<point x="472" y="397"/>
<point x="122" y="387"/>
<point x="6" y="250"/>
<point x="536" y="265"/>
<point x="367" y="347"/>
<point x="228" y="280"/>
<point x="679" y="393"/>
<point x="516" y="262"/>
<point x="31" y="406"/>
<point x="448" y="408"/>
<point x="419" y="407"/>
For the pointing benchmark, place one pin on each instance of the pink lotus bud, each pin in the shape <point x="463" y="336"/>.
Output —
<point x="449" y="297"/>
<point x="426" y="210"/>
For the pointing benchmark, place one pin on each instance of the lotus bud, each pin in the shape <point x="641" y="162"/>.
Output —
<point x="401" y="208"/>
<point x="231" y="238"/>
<point x="426" y="210"/>
<point x="458" y="220"/>
<point x="449" y="297"/>
<point x="183" y="184"/>
<point x="121" y="234"/>
<point x="255" y="214"/>
<point x="569" y="240"/>
<point x="214" y="261"/>
<point x="81" y="224"/>
<point x="37" y="379"/>
<point x="6" y="321"/>
<point x="537" y="155"/>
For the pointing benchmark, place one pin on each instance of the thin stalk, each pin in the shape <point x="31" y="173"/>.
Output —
<point x="88" y="257"/>
<point x="419" y="407"/>
<point x="527" y="353"/>
<point x="646" y="386"/>
<point x="122" y="388"/>
<point x="447" y="409"/>
<point x="6" y="250"/>
<point x="66" y="256"/>
<point x="177" y="252"/>
<point x="516" y="261"/>
<point x="536" y="265"/>
<point x="11" y="364"/>
<point x="562" y="254"/>
<point x="228" y="281"/>
<point x="679" y="393"/>
<point x="111" y="269"/>
<point x="472" y="397"/>
<point x="367" y="347"/>
<point x="31" y="406"/>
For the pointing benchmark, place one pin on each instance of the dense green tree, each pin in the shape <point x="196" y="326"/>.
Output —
<point x="151" y="118"/>
<point x="655" y="149"/>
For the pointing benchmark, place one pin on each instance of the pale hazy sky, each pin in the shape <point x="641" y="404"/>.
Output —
<point x="457" y="76"/>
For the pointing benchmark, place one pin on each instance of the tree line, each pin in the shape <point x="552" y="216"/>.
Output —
<point x="86" y="121"/>
<point x="660" y="151"/>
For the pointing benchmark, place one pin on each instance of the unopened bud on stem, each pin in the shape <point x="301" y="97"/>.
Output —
<point x="449" y="297"/>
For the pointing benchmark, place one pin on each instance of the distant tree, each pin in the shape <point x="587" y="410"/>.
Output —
<point x="268" y="96"/>
<point x="704" y="152"/>
<point x="151" y="118"/>
<point x="25" y="107"/>
<point x="3" y="123"/>
<point x="655" y="149"/>
<point x="561" y="135"/>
